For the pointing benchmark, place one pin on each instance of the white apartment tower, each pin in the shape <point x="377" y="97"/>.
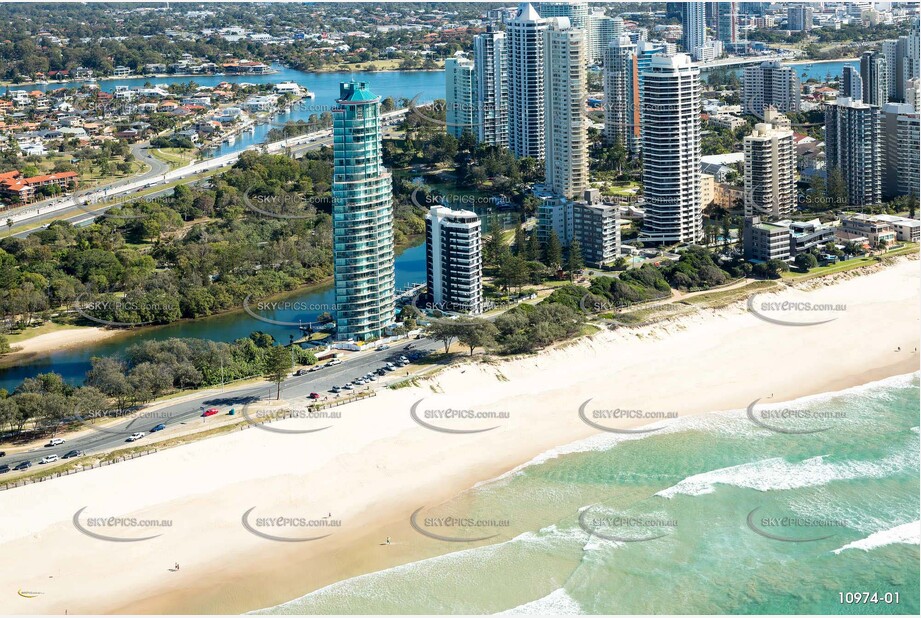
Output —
<point x="566" y="136"/>
<point x="671" y="150"/>
<point x="621" y="94"/>
<point x="694" y="30"/>
<point x="460" y="96"/>
<point x="491" y="63"/>
<point x="525" y="39"/>
<point x="770" y="161"/>
<point x="770" y="83"/>
<point x="454" y="262"/>
<point x="362" y="217"/>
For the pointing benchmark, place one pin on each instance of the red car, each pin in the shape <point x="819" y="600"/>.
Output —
<point x="314" y="395"/>
<point x="211" y="412"/>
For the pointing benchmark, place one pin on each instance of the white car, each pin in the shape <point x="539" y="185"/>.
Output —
<point x="334" y="362"/>
<point x="347" y="387"/>
<point x="136" y="436"/>
<point x="49" y="459"/>
<point x="55" y="441"/>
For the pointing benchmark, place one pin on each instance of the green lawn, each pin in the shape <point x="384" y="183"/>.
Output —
<point x="850" y="264"/>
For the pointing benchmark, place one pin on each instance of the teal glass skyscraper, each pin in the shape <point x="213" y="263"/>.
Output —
<point x="362" y="217"/>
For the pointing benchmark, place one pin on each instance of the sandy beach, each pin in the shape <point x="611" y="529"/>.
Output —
<point x="57" y="340"/>
<point x="376" y="465"/>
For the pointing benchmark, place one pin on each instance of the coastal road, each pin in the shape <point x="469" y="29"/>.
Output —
<point x="188" y="413"/>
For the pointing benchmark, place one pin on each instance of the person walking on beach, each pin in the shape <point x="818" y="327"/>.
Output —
<point x="388" y="540"/>
<point x="177" y="566"/>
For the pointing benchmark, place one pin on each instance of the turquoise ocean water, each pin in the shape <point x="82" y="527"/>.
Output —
<point x="712" y="514"/>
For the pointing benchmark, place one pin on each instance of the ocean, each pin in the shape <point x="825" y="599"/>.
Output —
<point x="710" y="514"/>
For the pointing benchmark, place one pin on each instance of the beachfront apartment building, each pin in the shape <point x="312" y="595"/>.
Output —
<point x="596" y="226"/>
<point x="857" y="226"/>
<point x="490" y="59"/>
<point x="362" y="212"/>
<point x="783" y="240"/>
<point x="853" y="146"/>
<point x="525" y="40"/>
<point x="460" y="96"/>
<point x="671" y="150"/>
<point x="576" y="12"/>
<point x="901" y="146"/>
<point x="770" y="177"/>
<point x="770" y="84"/>
<point x="454" y="260"/>
<point x="565" y="136"/>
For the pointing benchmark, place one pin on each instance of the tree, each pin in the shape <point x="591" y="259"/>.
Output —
<point x="806" y="261"/>
<point x="574" y="261"/>
<point x="443" y="330"/>
<point x="4" y="344"/>
<point x="836" y="189"/>
<point x="533" y="252"/>
<point x="513" y="272"/>
<point x="520" y="247"/>
<point x="277" y="365"/>
<point x="553" y="254"/>
<point x="477" y="333"/>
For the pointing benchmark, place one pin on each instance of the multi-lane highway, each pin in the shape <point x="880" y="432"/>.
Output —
<point x="187" y="414"/>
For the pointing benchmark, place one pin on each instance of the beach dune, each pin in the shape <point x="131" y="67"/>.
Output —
<point x="380" y="462"/>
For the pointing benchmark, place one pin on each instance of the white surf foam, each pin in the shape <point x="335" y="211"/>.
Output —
<point x="909" y="534"/>
<point x="557" y="603"/>
<point x="779" y="474"/>
<point x="713" y="422"/>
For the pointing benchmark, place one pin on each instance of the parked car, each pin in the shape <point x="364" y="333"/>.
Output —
<point x="211" y="412"/>
<point x="55" y="441"/>
<point x="23" y="465"/>
<point x="2" y="453"/>
<point x="334" y="362"/>
<point x="315" y="368"/>
<point x="73" y="453"/>
<point x="4" y="468"/>
<point x="348" y="387"/>
<point x="383" y="347"/>
<point x="300" y="372"/>
<point x="49" y="459"/>
<point x="335" y="389"/>
<point x="314" y="395"/>
<point x="136" y="436"/>
<point x="159" y="427"/>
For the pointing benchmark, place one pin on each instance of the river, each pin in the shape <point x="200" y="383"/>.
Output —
<point x="73" y="363"/>
<point x="426" y="85"/>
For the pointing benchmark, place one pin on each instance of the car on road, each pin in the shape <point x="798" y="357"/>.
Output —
<point x="2" y="453"/>
<point x="156" y="428"/>
<point x="136" y="436"/>
<point x="55" y="441"/>
<point x="313" y="396"/>
<point x="49" y="459"/>
<point x="23" y="465"/>
<point x="4" y="468"/>
<point x="73" y="453"/>
<point x="211" y="412"/>
<point x="383" y="347"/>
<point x="334" y="362"/>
